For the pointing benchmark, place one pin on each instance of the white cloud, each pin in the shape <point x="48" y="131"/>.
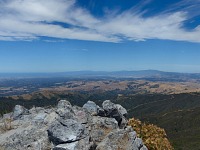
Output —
<point x="28" y="20"/>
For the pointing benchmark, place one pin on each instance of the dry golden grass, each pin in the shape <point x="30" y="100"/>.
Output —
<point x="6" y="125"/>
<point x="1" y="148"/>
<point x="154" y="138"/>
<point x="140" y="86"/>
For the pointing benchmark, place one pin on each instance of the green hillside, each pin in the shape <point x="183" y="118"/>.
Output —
<point x="179" y="115"/>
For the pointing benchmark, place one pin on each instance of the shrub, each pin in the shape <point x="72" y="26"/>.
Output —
<point x="154" y="138"/>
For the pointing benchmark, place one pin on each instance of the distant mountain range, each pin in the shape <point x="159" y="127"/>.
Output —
<point x="117" y="74"/>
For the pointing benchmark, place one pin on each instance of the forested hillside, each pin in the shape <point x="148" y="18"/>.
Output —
<point x="178" y="114"/>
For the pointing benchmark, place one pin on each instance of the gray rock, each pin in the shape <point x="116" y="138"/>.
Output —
<point x="67" y="146"/>
<point x="18" y="111"/>
<point x="91" y="107"/>
<point x="101" y="126"/>
<point x="144" y="148"/>
<point x="113" y="141"/>
<point x="108" y="106"/>
<point x="121" y="109"/>
<point x="115" y="111"/>
<point x="133" y="135"/>
<point x="26" y="138"/>
<point x="66" y="131"/>
<point x="36" y="110"/>
<point x="120" y="139"/>
<point x="69" y="128"/>
<point x="64" y="104"/>
<point x="115" y="114"/>
<point x="50" y="118"/>
<point x="100" y="112"/>
<point x="82" y="144"/>
<point x="39" y="118"/>
<point x="136" y="145"/>
<point x="82" y="115"/>
<point x="64" y="110"/>
<point x="123" y="123"/>
<point x="7" y="116"/>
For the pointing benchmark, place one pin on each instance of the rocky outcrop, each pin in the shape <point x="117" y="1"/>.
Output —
<point x="91" y="107"/>
<point x="19" y="111"/>
<point x="121" y="139"/>
<point x="68" y="127"/>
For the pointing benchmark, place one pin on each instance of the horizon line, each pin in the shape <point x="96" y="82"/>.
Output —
<point x="51" y="72"/>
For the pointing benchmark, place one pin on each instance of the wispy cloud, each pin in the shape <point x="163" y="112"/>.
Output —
<point x="63" y="19"/>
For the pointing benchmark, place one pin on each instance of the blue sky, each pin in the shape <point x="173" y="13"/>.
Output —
<point x="102" y="35"/>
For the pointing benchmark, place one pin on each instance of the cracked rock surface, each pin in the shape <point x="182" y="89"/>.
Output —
<point x="68" y="127"/>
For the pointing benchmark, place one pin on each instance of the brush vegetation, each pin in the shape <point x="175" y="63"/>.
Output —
<point x="154" y="138"/>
